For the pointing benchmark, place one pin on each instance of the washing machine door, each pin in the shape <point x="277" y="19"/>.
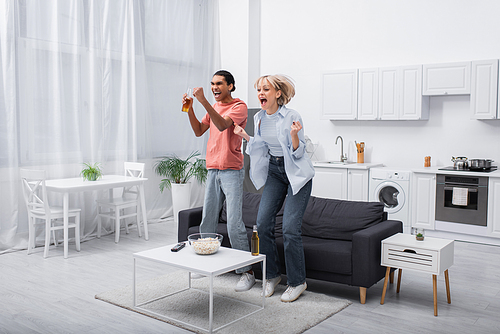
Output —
<point x="391" y="195"/>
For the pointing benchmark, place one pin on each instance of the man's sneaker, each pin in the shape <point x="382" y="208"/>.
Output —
<point x="270" y="285"/>
<point x="247" y="280"/>
<point x="293" y="292"/>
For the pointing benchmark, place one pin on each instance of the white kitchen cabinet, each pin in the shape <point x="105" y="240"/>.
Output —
<point x="368" y="94"/>
<point x="447" y="78"/>
<point x="357" y="184"/>
<point x="388" y="98"/>
<point x="400" y="94"/>
<point x="423" y="194"/>
<point x="412" y="104"/>
<point x="494" y="207"/>
<point x="330" y="183"/>
<point x="340" y="95"/>
<point x="484" y="89"/>
<point x="341" y="183"/>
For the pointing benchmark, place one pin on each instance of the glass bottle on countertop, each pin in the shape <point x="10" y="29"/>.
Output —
<point x="255" y="241"/>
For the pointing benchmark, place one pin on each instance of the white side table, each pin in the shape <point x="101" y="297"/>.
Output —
<point x="432" y="255"/>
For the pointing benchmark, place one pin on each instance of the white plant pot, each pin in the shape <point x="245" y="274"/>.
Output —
<point x="181" y="198"/>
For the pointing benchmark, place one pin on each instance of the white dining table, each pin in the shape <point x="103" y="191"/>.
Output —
<point x="77" y="184"/>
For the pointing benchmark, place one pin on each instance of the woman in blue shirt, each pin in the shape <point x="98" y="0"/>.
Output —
<point x="278" y="161"/>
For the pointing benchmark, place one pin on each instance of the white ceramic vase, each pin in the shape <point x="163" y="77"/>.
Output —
<point x="181" y="198"/>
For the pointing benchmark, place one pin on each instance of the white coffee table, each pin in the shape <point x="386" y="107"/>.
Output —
<point x="225" y="260"/>
<point x="432" y="255"/>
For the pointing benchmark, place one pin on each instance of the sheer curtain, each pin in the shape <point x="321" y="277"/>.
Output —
<point x="98" y="81"/>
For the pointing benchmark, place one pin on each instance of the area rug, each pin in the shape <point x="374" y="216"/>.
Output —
<point x="190" y="307"/>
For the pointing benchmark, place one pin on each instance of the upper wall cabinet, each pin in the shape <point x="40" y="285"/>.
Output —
<point x="400" y="94"/>
<point x="340" y="94"/>
<point x="484" y="89"/>
<point x="447" y="79"/>
<point x="413" y="105"/>
<point x="368" y="89"/>
<point x="388" y="95"/>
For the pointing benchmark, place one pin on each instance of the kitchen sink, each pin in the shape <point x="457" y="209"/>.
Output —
<point x="335" y="162"/>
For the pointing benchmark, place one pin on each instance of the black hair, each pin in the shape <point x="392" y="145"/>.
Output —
<point x="228" y="77"/>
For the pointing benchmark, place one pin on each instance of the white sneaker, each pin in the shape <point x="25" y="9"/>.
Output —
<point x="196" y="276"/>
<point x="270" y="285"/>
<point x="293" y="292"/>
<point x="247" y="280"/>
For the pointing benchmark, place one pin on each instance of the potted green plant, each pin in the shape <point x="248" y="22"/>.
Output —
<point x="176" y="173"/>
<point x="419" y="234"/>
<point x="91" y="172"/>
<point x="180" y="171"/>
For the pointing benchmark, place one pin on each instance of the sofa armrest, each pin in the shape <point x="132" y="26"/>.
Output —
<point x="366" y="252"/>
<point x="187" y="219"/>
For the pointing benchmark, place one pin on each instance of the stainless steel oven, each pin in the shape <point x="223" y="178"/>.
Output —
<point x="462" y="199"/>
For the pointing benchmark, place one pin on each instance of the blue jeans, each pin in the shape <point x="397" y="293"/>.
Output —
<point x="226" y="184"/>
<point x="276" y="189"/>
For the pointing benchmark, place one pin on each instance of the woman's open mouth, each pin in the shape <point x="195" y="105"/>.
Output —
<point x="263" y="102"/>
<point x="216" y="95"/>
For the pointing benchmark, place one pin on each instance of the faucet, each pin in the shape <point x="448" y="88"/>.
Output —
<point x="343" y="157"/>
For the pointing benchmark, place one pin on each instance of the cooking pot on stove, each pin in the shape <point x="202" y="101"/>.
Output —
<point x="459" y="162"/>
<point x="480" y="163"/>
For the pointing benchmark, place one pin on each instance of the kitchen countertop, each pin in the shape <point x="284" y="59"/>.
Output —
<point x="354" y="165"/>
<point x="435" y="170"/>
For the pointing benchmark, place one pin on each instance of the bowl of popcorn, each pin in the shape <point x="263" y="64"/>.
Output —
<point x="205" y="243"/>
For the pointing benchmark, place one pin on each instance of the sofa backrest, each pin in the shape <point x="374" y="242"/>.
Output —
<point x="338" y="219"/>
<point x="323" y="218"/>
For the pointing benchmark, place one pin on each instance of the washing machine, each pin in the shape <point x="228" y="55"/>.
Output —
<point x="392" y="188"/>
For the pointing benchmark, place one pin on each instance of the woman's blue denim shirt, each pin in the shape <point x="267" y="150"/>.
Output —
<point x="298" y="166"/>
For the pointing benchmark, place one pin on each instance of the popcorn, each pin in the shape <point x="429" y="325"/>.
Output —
<point x="205" y="246"/>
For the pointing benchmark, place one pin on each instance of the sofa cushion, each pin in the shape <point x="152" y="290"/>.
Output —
<point x="338" y="219"/>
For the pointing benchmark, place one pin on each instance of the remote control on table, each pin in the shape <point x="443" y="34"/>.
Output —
<point x="178" y="247"/>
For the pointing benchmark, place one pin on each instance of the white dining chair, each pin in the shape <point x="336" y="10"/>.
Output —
<point x="116" y="205"/>
<point x="37" y="205"/>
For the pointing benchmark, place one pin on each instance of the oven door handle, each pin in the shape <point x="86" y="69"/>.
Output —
<point x="471" y="190"/>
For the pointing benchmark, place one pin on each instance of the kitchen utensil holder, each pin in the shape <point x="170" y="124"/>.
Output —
<point x="361" y="157"/>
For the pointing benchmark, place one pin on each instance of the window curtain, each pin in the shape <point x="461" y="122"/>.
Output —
<point x="98" y="81"/>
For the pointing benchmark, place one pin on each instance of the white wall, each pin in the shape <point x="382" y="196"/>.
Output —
<point x="240" y="45"/>
<point x="304" y="38"/>
<point x="234" y="17"/>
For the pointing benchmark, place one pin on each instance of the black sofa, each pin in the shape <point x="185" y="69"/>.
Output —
<point x="342" y="239"/>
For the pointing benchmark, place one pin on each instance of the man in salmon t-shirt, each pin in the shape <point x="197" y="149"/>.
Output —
<point x="224" y="164"/>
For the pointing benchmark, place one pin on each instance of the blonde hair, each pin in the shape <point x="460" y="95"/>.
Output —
<point x="281" y="83"/>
